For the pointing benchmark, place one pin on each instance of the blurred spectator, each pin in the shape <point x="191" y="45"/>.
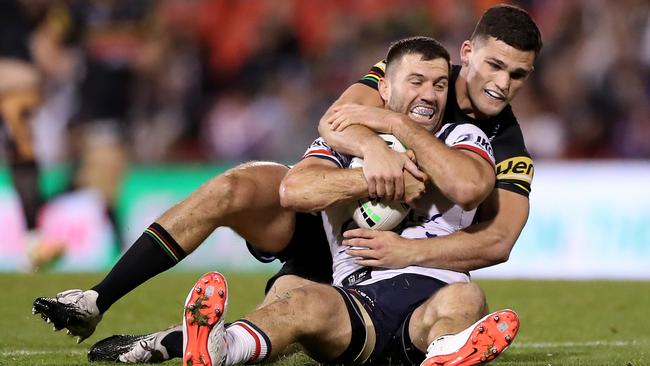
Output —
<point x="226" y="80"/>
<point x="20" y="95"/>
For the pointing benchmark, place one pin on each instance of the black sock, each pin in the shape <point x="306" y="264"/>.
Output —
<point x="154" y="252"/>
<point x="25" y="176"/>
<point x="174" y="344"/>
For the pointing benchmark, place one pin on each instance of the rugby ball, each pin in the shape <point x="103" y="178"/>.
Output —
<point x="379" y="214"/>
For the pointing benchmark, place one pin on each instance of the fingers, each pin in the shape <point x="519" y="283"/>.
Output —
<point x="399" y="188"/>
<point x="372" y="188"/>
<point x="334" y="123"/>
<point x="381" y="187"/>
<point x="368" y="262"/>
<point x="343" y="125"/>
<point x="390" y="189"/>
<point x="414" y="170"/>
<point x="361" y="253"/>
<point x="411" y="155"/>
<point x="358" y="233"/>
<point x="337" y="120"/>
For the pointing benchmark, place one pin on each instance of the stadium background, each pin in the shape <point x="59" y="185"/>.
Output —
<point x="145" y="100"/>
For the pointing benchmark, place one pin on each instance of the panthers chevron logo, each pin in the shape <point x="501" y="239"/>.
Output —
<point x="517" y="168"/>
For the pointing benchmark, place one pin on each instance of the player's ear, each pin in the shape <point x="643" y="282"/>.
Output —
<point x="384" y="89"/>
<point x="465" y="52"/>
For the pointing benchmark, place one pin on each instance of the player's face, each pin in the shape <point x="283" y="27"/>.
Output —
<point x="417" y="88"/>
<point x="495" y="72"/>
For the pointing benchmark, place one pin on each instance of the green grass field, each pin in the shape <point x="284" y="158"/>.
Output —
<point x="563" y="323"/>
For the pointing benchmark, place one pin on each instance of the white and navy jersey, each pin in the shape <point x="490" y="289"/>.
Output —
<point x="431" y="215"/>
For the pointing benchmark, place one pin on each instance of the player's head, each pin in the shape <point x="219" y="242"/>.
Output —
<point x="417" y="79"/>
<point x="498" y="58"/>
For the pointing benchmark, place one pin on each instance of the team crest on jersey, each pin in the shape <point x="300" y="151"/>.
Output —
<point x="517" y="168"/>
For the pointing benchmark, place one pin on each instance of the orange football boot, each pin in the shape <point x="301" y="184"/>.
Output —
<point x="203" y="321"/>
<point x="482" y="342"/>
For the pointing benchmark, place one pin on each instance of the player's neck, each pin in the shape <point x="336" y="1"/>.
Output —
<point x="462" y="96"/>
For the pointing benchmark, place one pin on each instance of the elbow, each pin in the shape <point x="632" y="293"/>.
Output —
<point x="323" y="127"/>
<point x="501" y="247"/>
<point x="293" y="198"/>
<point x="288" y="195"/>
<point x="468" y="196"/>
<point x="326" y="132"/>
<point x="501" y="254"/>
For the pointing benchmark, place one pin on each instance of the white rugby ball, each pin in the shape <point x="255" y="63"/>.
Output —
<point x="380" y="214"/>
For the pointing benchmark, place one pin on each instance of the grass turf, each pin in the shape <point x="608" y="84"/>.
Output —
<point x="563" y="323"/>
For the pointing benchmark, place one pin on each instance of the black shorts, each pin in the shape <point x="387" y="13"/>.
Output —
<point x="307" y="255"/>
<point x="389" y="304"/>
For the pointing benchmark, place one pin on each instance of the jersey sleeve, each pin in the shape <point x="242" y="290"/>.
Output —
<point x="320" y="149"/>
<point x="471" y="138"/>
<point x="514" y="166"/>
<point x="376" y="72"/>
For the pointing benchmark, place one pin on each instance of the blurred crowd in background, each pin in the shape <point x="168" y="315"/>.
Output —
<point x="101" y="84"/>
<point x="229" y="81"/>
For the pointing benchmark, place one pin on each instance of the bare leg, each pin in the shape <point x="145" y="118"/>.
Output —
<point x="282" y="286"/>
<point x="314" y="316"/>
<point x="244" y="198"/>
<point x="449" y="311"/>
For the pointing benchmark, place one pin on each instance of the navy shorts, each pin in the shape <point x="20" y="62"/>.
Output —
<point x="389" y="304"/>
<point x="307" y="255"/>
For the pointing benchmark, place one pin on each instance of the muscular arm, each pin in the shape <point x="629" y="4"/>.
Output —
<point x="383" y="168"/>
<point x="485" y="244"/>
<point x="315" y="184"/>
<point x="462" y="176"/>
<point x="355" y="140"/>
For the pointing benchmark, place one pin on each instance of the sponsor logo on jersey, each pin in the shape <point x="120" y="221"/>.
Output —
<point x="484" y="143"/>
<point x="517" y="168"/>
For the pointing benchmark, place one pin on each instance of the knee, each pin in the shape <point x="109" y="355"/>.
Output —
<point x="228" y="193"/>
<point x="466" y="300"/>
<point x="314" y="309"/>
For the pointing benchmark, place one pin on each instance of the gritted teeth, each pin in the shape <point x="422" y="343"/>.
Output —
<point x="425" y="111"/>
<point x="494" y="94"/>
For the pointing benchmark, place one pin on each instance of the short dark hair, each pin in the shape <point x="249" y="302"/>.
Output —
<point x="511" y="25"/>
<point x="429" y="48"/>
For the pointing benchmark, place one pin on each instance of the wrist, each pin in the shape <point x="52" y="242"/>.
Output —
<point x="393" y="121"/>
<point x="372" y="144"/>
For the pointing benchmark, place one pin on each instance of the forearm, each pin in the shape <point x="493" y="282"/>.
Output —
<point x="481" y="245"/>
<point x="460" y="177"/>
<point x="466" y="250"/>
<point x="355" y="140"/>
<point x="315" y="189"/>
<point x="352" y="140"/>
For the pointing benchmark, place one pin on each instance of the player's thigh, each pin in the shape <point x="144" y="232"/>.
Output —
<point x="459" y="303"/>
<point x="336" y="326"/>
<point x="246" y="198"/>
<point x="282" y="286"/>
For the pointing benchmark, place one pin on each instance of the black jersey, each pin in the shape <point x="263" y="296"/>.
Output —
<point x="514" y="166"/>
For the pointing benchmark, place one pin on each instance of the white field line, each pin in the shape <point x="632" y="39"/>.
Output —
<point x="32" y="352"/>
<point x="574" y="344"/>
<point x="535" y="345"/>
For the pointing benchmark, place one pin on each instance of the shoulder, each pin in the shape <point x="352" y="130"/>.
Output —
<point x="467" y="136"/>
<point x="376" y="72"/>
<point x="514" y="165"/>
<point x="320" y="149"/>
